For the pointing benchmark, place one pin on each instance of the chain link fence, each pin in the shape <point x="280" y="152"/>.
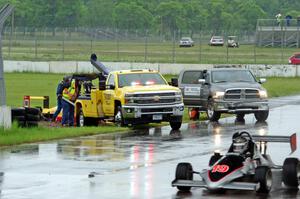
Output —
<point x="62" y="44"/>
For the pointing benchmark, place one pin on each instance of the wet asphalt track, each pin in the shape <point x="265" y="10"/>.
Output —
<point x="140" y="164"/>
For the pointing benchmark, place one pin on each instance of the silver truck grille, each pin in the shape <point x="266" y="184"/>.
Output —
<point x="154" y="98"/>
<point x="237" y="94"/>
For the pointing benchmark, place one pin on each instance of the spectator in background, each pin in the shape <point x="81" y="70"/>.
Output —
<point x="278" y="19"/>
<point x="298" y="21"/>
<point x="288" y="19"/>
<point x="65" y="83"/>
<point x="68" y="99"/>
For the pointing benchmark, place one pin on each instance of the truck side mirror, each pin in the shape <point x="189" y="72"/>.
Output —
<point x="110" y="86"/>
<point x="102" y="85"/>
<point x="174" y="82"/>
<point x="262" y="80"/>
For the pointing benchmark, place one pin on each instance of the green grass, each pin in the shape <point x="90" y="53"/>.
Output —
<point x="153" y="52"/>
<point x="40" y="84"/>
<point x="17" y="135"/>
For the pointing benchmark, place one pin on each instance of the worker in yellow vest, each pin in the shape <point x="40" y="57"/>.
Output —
<point x="69" y="97"/>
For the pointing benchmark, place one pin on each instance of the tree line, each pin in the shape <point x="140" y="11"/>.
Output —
<point x="160" y="16"/>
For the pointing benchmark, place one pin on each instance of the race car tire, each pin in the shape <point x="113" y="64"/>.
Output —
<point x="213" y="159"/>
<point x="18" y="111"/>
<point x="32" y="117"/>
<point x="212" y="115"/>
<point x="291" y="172"/>
<point x="175" y="125"/>
<point x="263" y="176"/>
<point x="184" y="171"/>
<point x="33" y="111"/>
<point x="32" y="123"/>
<point x="261" y="116"/>
<point x="194" y="113"/>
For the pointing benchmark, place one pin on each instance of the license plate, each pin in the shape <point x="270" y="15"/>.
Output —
<point x="192" y="91"/>
<point x="157" y="117"/>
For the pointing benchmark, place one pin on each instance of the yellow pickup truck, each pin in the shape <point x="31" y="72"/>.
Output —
<point x="128" y="97"/>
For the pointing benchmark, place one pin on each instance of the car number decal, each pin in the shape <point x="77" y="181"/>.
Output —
<point x="223" y="168"/>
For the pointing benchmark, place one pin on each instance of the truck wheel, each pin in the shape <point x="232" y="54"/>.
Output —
<point x="291" y="172"/>
<point x="261" y="116"/>
<point x="263" y="176"/>
<point x="194" y="113"/>
<point x="184" y="171"/>
<point x="119" y="120"/>
<point x="175" y="125"/>
<point x="212" y="115"/>
<point x="80" y="119"/>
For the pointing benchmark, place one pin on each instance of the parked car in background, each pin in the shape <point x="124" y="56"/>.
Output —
<point x="186" y="42"/>
<point x="232" y="42"/>
<point x="295" y="59"/>
<point x="216" y="41"/>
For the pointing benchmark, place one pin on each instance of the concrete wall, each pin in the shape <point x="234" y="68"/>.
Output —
<point x="164" y="68"/>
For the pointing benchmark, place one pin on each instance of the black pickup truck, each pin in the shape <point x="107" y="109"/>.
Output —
<point x="223" y="90"/>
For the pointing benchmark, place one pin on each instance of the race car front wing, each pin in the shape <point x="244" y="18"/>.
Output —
<point x="232" y="185"/>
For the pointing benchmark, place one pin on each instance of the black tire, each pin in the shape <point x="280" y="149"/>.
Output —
<point x="184" y="171"/>
<point x="261" y="116"/>
<point x="32" y="123"/>
<point x="263" y="176"/>
<point x="18" y="111"/>
<point x="175" y="125"/>
<point x="213" y="159"/>
<point x="31" y="117"/>
<point x="18" y="118"/>
<point x="119" y="120"/>
<point x="212" y="115"/>
<point x="33" y="111"/>
<point x="291" y="172"/>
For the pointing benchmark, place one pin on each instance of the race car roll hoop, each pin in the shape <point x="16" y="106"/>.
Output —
<point x="246" y="166"/>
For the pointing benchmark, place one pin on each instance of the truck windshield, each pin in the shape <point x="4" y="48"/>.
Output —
<point x="140" y="79"/>
<point x="232" y="76"/>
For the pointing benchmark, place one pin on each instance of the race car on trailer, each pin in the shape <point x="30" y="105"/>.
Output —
<point x="246" y="166"/>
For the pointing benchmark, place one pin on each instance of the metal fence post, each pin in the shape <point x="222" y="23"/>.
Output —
<point x="173" y="52"/>
<point x="200" y="47"/>
<point x="146" y="46"/>
<point x="63" y="45"/>
<point x="35" y="43"/>
<point x="118" y="47"/>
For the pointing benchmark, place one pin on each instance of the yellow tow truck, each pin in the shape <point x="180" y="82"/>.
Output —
<point x="127" y="97"/>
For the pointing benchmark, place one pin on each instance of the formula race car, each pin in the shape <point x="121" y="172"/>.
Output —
<point x="245" y="166"/>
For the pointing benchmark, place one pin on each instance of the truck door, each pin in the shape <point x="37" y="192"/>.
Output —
<point x="109" y="96"/>
<point x="191" y="87"/>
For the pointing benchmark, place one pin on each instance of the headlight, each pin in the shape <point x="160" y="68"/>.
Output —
<point x="263" y="94"/>
<point x="129" y="99"/>
<point x="178" y="96"/>
<point x="218" y="94"/>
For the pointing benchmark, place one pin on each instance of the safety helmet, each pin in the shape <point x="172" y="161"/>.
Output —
<point x="240" y="144"/>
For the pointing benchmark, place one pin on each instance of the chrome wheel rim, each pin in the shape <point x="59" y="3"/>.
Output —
<point x="81" y="120"/>
<point x="118" y="117"/>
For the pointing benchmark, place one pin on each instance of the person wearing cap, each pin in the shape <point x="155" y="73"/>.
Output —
<point x="65" y="83"/>
<point x="68" y="98"/>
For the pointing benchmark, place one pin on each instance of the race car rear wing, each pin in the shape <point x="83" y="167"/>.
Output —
<point x="263" y="139"/>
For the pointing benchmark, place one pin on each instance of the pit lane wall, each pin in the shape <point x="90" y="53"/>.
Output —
<point x="165" y="68"/>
